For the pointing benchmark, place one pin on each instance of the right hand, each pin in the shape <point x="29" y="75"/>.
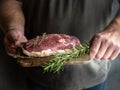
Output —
<point x="12" y="40"/>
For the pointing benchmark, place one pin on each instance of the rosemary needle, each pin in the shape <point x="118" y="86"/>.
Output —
<point x="59" y="59"/>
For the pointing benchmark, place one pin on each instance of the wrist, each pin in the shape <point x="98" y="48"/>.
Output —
<point x="116" y="20"/>
<point x="113" y="26"/>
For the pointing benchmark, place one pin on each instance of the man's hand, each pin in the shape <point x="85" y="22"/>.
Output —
<point x="13" y="39"/>
<point x="12" y="23"/>
<point x="106" y="44"/>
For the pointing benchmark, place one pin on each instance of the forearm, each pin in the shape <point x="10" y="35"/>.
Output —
<point x="11" y="16"/>
<point x="116" y="21"/>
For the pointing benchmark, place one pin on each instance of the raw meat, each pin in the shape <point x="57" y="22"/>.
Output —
<point x="49" y="44"/>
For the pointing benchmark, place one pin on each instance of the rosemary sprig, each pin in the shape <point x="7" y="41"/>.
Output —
<point x="59" y="59"/>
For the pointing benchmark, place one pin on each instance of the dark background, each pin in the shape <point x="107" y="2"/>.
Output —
<point x="11" y="77"/>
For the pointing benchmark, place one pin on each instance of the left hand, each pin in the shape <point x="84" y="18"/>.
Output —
<point x="12" y="40"/>
<point x="106" y="44"/>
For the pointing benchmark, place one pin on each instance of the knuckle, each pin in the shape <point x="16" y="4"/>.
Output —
<point x="108" y="42"/>
<point x="98" y="37"/>
<point x="104" y="40"/>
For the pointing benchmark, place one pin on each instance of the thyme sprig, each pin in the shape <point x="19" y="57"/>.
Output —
<point x="35" y="43"/>
<point x="59" y="59"/>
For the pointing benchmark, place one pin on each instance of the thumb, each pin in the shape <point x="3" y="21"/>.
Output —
<point x="20" y="41"/>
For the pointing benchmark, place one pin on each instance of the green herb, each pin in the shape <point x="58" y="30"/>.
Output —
<point x="35" y="43"/>
<point x="59" y="59"/>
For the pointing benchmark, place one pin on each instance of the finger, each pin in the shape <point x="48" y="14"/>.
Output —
<point x="108" y="52"/>
<point x="114" y="54"/>
<point x="102" y="49"/>
<point x="95" y="45"/>
<point x="18" y="43"/>
<point x="11" y="51"/>
<point x="10" y="48"/>
<point x="8" y="43"/>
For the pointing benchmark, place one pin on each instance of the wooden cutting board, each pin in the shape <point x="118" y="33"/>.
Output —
<point x="35" y="62"/>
